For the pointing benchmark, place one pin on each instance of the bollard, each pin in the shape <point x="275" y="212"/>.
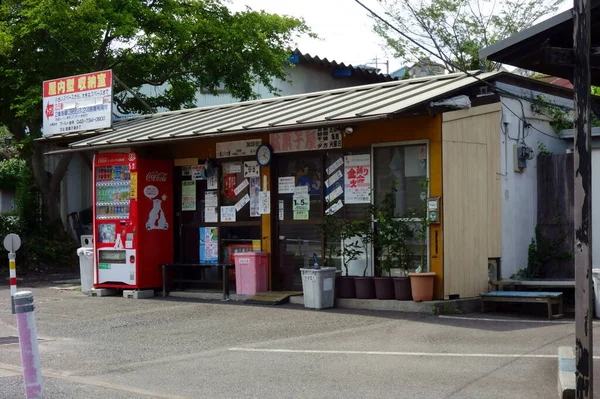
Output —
<point x="13" y="279"/>
<point x="30" y="355"/>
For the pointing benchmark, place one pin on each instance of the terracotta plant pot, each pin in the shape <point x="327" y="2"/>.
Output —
<point x="422" y="286"/>
<point x="402" y="288"/>
<point x="384" y="288"/>
<point x="344" y="286"/>
<point x="365" y="287"/>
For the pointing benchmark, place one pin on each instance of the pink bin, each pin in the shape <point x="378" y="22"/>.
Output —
<point x="251" y="272"/>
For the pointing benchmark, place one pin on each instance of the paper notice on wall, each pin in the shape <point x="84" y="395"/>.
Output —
<point x="229" y="183"/>
<point x="241" y="187"/>
<point x="264" y="203"/>
<point x="238" y="148"/>
<point x="300" y="190"/>
<point x="281" y="210"/>
<point x="251" y="169"/>
<point x="334" y="166"/>
<point x="210" y="198"/>
<point x="334" y="194"/>
<point x="188" y="195"/>
<point x="232" y="168"/>
<point x="334" y="208"/>
<point x="197" y="172"/>
<point x="212" y="182"/>
<point x="335" y="177"/>
<point x="241" y="203"/>
<point x="254" y="193"/>
<point x="301" y="206"/>
<point x="357" y="179"/>
<point x="186" y="170"/>
<point x="286" y="185"/>
<point x="209" y="244"/>
<point x="228" y="214"/>
<point x="210" y="214"/>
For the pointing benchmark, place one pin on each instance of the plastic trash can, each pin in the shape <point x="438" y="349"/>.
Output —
<point x="596" y="284"/>
<point x="251" y="272"/>
<point x="86" y="268"/>
<point x="318" y="286"/>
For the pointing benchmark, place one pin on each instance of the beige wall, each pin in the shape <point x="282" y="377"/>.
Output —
<point x="472" y="198"/>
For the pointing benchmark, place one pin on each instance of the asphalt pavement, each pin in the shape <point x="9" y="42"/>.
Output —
<point x="112" y="347"/>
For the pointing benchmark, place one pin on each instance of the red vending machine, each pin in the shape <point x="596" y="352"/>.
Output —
<point x="133" y="220"/>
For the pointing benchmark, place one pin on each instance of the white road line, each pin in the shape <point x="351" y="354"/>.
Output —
<point x="512" y="320"/>
<point x="415" y="354"/>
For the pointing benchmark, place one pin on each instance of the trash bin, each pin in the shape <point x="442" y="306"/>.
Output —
<point x="251" y="272"/>
<point x="596" y="283"/>
<point x="318" y="286"/>
<point x="86" y="268"/>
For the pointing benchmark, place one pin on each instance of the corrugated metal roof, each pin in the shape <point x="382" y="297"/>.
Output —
<point x="338" y="106"/>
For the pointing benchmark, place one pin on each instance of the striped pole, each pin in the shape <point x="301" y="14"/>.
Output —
<point x="13" y="279"/>
<point x="28" y="341"/>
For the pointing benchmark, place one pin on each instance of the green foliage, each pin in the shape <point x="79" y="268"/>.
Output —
<point x="560" y="118"/>
<point x="331" y="231"/>
<point x="406" y="75"/>
<point x="355" y="235"/>
<point x="541" y="250"/>
<point x="455" y="30"/>
<point x="11" y="171"/>
<point x="542" y="150"/>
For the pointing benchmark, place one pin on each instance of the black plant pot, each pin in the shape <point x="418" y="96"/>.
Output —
<point x="365" y="287"/>
<point x="344" y="286"/>
<point x="384" y="288"/>
<point x="402" y="288"/>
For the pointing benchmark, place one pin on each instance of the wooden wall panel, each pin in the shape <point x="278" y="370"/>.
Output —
<point x="472" y="213"/>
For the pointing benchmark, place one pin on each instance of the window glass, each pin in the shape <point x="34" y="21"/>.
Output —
<point x="233" y="190"/>
<point x="297" y="244"/>
<point x="301" y="171"/>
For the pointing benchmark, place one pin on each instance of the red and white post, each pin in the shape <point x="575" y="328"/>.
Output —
<point x="28" y="341"/>
<point x="13" y="279"/>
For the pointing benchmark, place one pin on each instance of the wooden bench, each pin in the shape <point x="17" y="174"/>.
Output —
<point x="550" y="298"/>
<point x="544" y="284"/>
<point x="202" y="266"/>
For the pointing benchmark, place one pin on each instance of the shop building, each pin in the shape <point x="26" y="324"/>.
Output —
<point x="450" y="130"/>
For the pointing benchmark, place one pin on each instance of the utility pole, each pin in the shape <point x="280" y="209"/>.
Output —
<point x="583" y="201"/>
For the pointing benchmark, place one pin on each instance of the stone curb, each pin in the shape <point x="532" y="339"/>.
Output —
<point x="566" y="373"/>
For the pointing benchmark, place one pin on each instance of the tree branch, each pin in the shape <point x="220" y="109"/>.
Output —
<point x="60" y="171"/>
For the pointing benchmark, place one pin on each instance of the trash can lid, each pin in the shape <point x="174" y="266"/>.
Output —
<point x="85" y="251"/>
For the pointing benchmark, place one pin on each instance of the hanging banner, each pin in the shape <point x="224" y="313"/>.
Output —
<point x="254" y="194"/>
<point x="238" y="148"/>
<point x="196" y="172"/>
<point x="264" y="202"/>
<point x="286" y="185"/>
<point x="306" y="140"/>
<point x="209" y="244"/>
<point x="188" y="195"/>
<point x="241" y="203"/>
<point x="334" y="194"/>
<point x="229" y="183"/>
<point x="228" y="213"/>
<point x="241" y="187"/>
<point x="336" y="176"/>
<point x="334" y="166"/>
<point x="251" y="169"/>
<point x="357" y="179"/>
<point x="334" y="208"/>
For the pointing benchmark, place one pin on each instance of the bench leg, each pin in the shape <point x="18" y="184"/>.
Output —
<point x="549" y="309"/>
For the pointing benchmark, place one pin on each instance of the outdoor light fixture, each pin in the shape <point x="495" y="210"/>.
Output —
<point x="348" y="130"/>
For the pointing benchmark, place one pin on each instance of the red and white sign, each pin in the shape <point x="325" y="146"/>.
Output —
<point x="76" y="103"/>
<point x="357" y="179"/>
<point x="306" y="140"/>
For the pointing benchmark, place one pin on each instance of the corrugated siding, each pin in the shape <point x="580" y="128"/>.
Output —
<point x="293" y="112"/>
<point x="472" y="198"/>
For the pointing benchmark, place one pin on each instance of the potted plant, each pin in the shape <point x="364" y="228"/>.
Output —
<point x="403" y="259"/>
<point x="362" y="233"/>
<point x="422" y="281"/>
<point x="332" y="230"/>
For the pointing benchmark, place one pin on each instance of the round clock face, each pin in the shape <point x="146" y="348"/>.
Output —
<point x="263" y="155"/>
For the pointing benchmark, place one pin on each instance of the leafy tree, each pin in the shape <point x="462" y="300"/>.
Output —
<point x="455" y="30"/>
<point x="185" y="44"/>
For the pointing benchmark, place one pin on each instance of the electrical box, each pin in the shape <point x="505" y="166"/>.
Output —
<point x="433" y="210"/>
<point x="521" y="154"/>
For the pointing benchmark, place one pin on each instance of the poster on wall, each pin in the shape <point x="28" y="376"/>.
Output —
<point x="254" y="194"/>
<point x="281" y="210"/>
<point x="285" y="185"/>
<point x="251" y="169"/>
<point x="212" y="181"/>
<point x="306" y="140"/>
<point x="228" y="214"/>
<point x="186" y="170"/>
<point x="264" y="202"/>
<point x="210" y="214"/>
<point x="188" y="195"/>
<point x="196" y="172"/>
<point x="301" y="206"/>
<point x="357" y="179"/>
<point x="230" y="182"/>
<point x="242" y="203"/>
<point x="210" y="198"/>
<point x="209" y="244"/>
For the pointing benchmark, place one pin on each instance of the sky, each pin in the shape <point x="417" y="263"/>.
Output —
<point x="345" y="30"/>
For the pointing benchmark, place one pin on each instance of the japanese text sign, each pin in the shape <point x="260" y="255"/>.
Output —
<point x="76" y="103"/>
<point x="306" y="140"/>
<point x="357" y="179"/>
<point x="238" y="148"/>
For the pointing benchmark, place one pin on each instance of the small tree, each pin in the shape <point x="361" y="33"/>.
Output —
<point x="420" y="226"/>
